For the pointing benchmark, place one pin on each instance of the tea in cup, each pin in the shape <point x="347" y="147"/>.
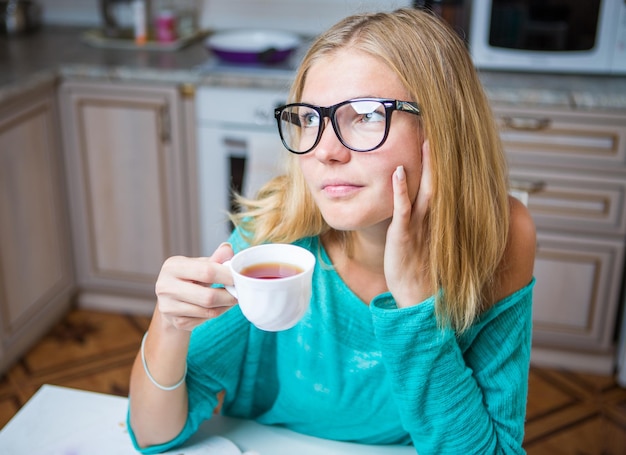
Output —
<point x="272" y="283"/>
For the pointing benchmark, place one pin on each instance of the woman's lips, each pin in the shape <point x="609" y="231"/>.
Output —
<point x="340" y="189"/>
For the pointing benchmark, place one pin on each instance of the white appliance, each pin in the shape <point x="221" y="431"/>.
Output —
<point x="238" y="147"/>
<point x="551" y="36"/>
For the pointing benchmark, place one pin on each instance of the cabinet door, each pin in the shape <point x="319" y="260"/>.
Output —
<point x="36" y="273"/>
<point x="128" y="176"/>
<point x="577" y="291"/>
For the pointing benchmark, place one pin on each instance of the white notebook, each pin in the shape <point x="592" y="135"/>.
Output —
<point x="63" y="421"/>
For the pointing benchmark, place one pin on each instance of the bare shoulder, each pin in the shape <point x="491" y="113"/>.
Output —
<point x="516" y="268"/>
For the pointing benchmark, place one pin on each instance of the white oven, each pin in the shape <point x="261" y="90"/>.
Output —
<point x="238" y="147"/>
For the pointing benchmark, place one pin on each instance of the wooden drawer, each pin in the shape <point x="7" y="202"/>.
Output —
<point x="576" y="202"/>
<point x="577" y="140"/>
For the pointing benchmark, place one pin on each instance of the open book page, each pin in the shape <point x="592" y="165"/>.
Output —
<point x="213" y="445"/>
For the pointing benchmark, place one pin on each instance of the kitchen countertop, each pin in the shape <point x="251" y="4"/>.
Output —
<point x="56" y="51"/>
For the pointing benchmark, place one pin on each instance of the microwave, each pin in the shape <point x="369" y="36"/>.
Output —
<point x="561" y="36"/>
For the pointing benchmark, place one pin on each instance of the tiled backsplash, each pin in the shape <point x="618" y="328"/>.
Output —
<point x="302" y="16"/>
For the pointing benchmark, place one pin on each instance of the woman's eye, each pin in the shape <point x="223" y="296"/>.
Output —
<point x="373" y="117"/>
<point x="310" y="120"/>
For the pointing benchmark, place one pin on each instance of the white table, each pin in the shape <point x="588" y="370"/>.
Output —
<point x="62" y="421"/>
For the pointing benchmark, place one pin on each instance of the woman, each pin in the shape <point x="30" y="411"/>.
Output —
<point x="420" y="321"/>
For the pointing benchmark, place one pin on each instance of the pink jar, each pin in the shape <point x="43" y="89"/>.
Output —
<point x="165" y="26"/>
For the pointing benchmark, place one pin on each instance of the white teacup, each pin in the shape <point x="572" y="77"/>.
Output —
<point x="272" y="284"/>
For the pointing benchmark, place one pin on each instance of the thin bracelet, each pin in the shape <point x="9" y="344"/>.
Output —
<point x="145" y="368"/>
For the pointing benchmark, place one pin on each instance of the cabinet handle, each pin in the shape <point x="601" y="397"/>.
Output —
<point x="165" y="124"/>
<point x="526" y="123"/>
<point x="187" y="90"/>
<point x="527" y="186"/>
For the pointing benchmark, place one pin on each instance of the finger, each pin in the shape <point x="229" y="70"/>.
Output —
<point x="222" y="253"/>
<point x="188" y="322"/>
<point x="401" y="201"/>
<point x="189" y="279"/>
<point x="184" y="268"/>
<point x="215" y="303"/>
<point x="202" y="270"/>
<point x="425" y="189"/>
<point x="174" y="292"/>
<point x="218" y="273"/>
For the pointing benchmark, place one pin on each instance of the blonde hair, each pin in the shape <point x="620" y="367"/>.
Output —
<point x="469" y="213"/>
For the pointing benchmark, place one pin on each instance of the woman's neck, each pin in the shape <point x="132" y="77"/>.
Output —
<point x="360" y="262"/>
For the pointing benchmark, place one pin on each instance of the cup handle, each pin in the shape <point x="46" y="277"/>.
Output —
<point x="231" y="289"/>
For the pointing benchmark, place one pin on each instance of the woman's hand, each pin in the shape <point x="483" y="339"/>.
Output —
<point x="406" y="249"/>
<point x="185" y="296"/>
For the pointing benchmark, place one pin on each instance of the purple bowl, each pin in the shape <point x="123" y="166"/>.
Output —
<point x="269" y="56"/>
<point x="253" y="46"/>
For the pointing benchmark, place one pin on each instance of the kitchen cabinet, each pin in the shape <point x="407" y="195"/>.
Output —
<point x="36" y="271"/>
<point x="580" y="216"/>
<point x="132" y="187"/>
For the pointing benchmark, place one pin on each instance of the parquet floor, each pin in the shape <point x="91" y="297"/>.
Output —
<point x="568" y="412"/>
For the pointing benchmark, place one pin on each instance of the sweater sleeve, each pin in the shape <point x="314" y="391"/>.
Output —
<point x="459" y="393"/>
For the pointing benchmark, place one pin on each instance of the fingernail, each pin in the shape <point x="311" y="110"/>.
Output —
<point x="400" y="175"/>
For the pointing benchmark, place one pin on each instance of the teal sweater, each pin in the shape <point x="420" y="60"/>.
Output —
<point x="373" y="374"/>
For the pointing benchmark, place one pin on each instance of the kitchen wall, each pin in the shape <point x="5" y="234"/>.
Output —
<point x="303" y="16"/>
<point x="70" y="12"/>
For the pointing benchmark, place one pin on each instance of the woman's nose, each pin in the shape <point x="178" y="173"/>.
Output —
<point x="330" y="147"/>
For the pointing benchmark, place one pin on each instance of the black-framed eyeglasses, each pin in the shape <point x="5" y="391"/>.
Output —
<point x="360" y="124"/>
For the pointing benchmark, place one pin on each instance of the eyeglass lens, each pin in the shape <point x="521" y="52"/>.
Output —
<point x="360" y="125"/>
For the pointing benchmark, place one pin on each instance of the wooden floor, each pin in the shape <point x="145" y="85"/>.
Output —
<point x="568" y="412"/>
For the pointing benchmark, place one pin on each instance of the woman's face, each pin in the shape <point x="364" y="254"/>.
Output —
<point x="353" y="190"/>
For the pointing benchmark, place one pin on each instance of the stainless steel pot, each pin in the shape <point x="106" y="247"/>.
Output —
<point x="18" y="17"/>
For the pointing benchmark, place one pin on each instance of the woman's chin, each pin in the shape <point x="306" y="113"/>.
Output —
<point x="347" y="222"/>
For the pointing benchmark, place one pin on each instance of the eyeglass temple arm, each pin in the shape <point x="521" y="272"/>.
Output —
<point x="408" y="106"/>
